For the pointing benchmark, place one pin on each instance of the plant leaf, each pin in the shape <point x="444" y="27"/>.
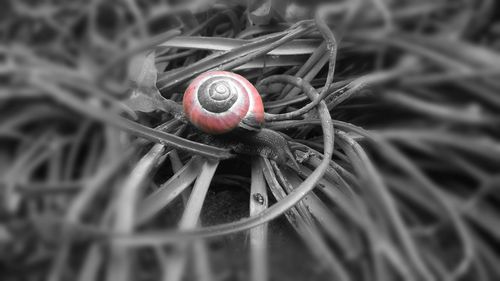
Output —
<point x="260" y="12"/>
<point x="144" y="97"/>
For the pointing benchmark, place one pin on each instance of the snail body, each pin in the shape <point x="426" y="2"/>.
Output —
<point x="217" y="102"/>
<point x="265" y="143"/>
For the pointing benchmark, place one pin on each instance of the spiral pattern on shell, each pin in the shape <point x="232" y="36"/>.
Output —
<point x="217" y="102"/>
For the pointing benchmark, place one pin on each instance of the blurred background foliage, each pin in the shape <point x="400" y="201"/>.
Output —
<point x="96" y="174"/>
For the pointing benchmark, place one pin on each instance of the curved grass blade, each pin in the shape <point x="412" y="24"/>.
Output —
<point x="343" y="234"/>
<point x="190" y="219"/>
<point x="305" y="227"/>
<point x="76" y="209"/>
<point x="169" y="190"/>
<point x="386" y="202"/>
<point x="292" y="48"/>
<point x="233" y="58"/>
<point x="132" y="127"/>
<point x="258" y="235"/>
<point x="427" y="186"/>
<point x="121" y="256"/>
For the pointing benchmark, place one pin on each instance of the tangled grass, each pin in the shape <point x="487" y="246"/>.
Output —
<point x="389" y="107"/>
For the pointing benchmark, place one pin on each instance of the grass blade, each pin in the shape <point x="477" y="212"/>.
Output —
<point x="258" y="235"/>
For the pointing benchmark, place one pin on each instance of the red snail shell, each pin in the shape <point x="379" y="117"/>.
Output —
<point x="217" y="102"/>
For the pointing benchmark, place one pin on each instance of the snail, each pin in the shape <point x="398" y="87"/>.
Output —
<point x="217" y="102"/>
<point x="220" y="102"/>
